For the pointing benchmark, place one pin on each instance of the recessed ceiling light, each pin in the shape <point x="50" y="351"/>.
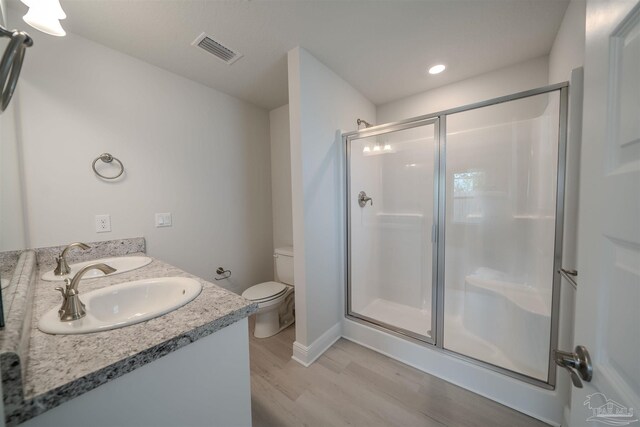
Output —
<point x="437" y="69"/>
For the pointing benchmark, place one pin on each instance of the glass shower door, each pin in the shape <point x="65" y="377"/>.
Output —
<point x="500" y="242"/>
<point x="455" y="227"/>
<point x="391" y="203"/>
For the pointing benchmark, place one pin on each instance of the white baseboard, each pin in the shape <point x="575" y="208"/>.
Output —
<point x="306" y="355"/>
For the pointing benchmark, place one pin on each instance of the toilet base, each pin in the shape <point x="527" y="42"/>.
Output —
<point x="268" y="324"/>
<point x="275" y="315"/>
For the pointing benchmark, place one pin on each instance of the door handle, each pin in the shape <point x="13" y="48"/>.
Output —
<point x="578" y="364"/>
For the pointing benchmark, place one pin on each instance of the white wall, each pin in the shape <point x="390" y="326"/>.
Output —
<point x="281" y="177"/>
<point x="567" y="52"/>
<point x="519" y="77"/>
<point x="322" y="106"/>
<point x="12" y="216"/>
<point x="188" y="149"/>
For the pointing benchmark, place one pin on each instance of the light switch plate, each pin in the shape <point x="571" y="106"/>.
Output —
<point x="163" y="219"/>
<point x="103" y="223"/>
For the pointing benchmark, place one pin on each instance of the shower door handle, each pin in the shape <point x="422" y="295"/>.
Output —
<point x="363" y="199"/>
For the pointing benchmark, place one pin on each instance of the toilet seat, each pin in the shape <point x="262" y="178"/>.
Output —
<point x="264" y="292"/>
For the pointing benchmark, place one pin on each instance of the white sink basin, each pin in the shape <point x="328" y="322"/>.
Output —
<point x="121" y="264"/>
<point x="124" y="304"/>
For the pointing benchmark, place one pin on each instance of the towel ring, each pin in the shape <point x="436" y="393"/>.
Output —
<point x="107" y="158"/>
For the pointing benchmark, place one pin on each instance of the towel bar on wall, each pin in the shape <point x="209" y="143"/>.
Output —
<point x="223" y="274"/>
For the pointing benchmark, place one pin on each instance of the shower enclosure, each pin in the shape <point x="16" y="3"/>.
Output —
<point x="454" y="230"/>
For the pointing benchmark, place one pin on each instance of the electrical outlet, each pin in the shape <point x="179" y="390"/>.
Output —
<point x="103" y="223"/>
<point x="163" y="219"/>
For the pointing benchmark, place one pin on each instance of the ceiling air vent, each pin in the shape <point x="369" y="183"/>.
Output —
<point x="216" y="49"/>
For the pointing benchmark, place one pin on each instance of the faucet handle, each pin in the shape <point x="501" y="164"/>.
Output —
<point x="63" y="291"/>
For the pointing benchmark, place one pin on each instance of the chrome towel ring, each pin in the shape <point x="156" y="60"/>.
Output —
<point x="107" y="158"/>
<point x="11" y="63"/>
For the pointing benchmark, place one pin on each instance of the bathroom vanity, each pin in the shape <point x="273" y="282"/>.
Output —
<point x="187" y="367"/>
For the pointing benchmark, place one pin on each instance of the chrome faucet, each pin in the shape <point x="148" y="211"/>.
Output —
<point x="72" y="308"/>
<point x="63" y="268"/>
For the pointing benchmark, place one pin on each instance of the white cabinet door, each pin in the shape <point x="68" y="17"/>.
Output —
<point x="608" y="298"/>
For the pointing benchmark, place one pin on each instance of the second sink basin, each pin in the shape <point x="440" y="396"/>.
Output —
<point x="121" y="264"/>
<point x="124" y="304"/>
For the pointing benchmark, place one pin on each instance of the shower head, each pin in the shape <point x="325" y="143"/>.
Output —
<point x="363" y="122"/>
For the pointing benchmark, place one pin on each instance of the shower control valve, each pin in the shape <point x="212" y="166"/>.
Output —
<point x="363" y="199"/>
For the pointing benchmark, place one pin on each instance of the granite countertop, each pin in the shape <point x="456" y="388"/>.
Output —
<point x="61" y="367"/>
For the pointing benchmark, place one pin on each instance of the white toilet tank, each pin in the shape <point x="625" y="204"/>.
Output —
<point x="284" y="264"/>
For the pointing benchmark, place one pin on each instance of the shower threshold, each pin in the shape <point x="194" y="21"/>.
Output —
<point x="458" y="339"/>
<point x="402" y="316"/>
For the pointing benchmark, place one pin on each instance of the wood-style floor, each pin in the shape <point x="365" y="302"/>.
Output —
<point x="353" y="386"/>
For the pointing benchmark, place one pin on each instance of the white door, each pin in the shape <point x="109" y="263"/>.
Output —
<point x="608" y="298"/>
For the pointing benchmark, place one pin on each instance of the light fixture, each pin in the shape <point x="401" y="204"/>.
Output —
<point x="376" y="148"/>
<point x="437" y="69"/>
<point x="387" y="147"/>
<point x="366" y="149"/>
<point x="45" y="15"/>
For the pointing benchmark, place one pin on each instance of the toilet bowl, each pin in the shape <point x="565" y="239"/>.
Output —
<point x="274" y="299"/>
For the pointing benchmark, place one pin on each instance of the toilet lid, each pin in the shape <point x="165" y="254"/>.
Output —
<point x="264" y="291"/>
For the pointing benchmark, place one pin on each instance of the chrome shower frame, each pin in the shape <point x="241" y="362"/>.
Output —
<point x="439" y="120"/>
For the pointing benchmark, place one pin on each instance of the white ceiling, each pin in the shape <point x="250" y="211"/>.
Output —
<point x="382" y="48"/>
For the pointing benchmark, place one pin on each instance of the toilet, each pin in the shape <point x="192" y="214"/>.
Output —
<point x="274" y="299"/>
